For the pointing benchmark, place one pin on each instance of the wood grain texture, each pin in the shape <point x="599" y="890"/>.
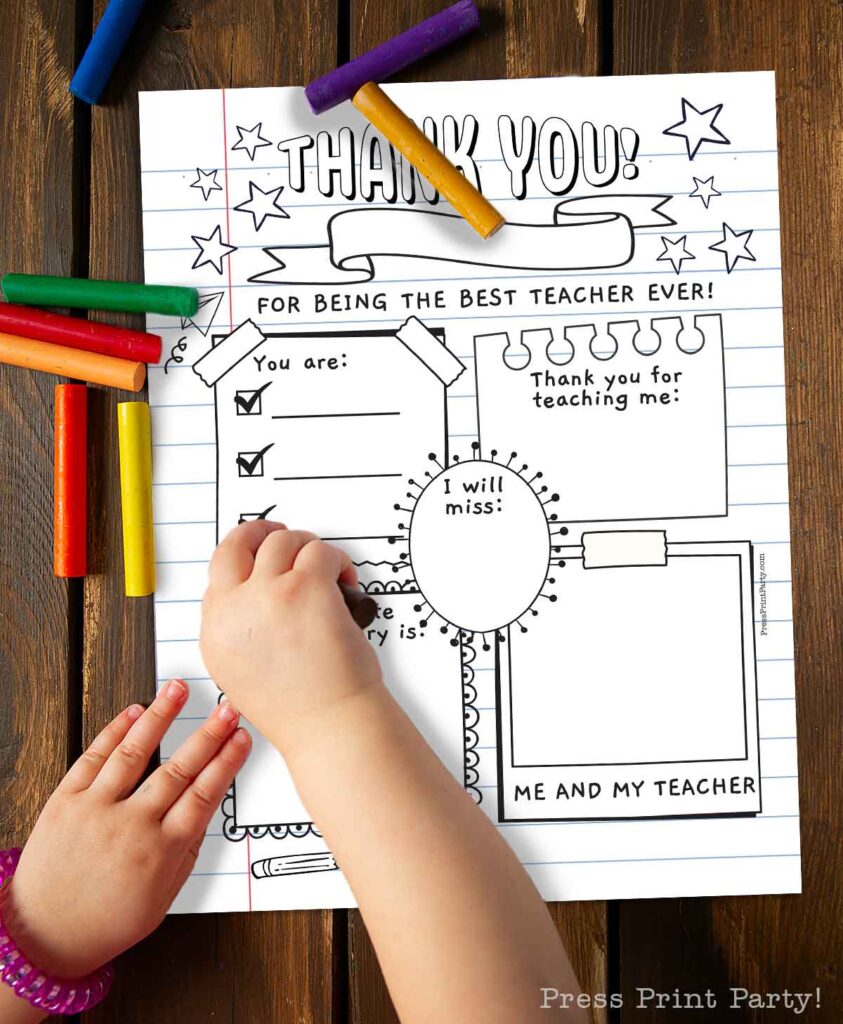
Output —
<point x="38" y="229"/>
<point x="240" y="968"/>
<point x="39" y="621"/>
<point x="516" y="40"/>
<point x="772" y="942"/>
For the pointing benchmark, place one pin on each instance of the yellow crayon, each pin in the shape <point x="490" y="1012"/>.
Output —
<point x="136" y="494"/>
<point x="391" y="122"/>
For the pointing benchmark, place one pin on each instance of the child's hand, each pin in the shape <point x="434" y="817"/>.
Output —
<point x="276" y="634"/>
<point x="105" y="859"/>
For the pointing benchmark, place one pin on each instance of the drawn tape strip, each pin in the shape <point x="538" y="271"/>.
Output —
<point x="217" y="361"/>
<point x="424" y="345"/>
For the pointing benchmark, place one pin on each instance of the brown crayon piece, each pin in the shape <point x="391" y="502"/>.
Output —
<point x="362" y="607"/>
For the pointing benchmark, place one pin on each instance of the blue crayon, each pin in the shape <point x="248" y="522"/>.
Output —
<point x="103" y="50"/>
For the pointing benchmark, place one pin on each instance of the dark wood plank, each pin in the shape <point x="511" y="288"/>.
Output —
<point x="775" y="942"/>
<point x="39" y="212"/>
<point x="544" y="37"/>
<point x="238" y="968"/>
<point x="38" y="215"/>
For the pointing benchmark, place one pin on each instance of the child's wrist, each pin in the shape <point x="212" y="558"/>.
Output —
<point x="31" y="968"/>
<point x="56" y="956"/>
<point x="309" y="732"/>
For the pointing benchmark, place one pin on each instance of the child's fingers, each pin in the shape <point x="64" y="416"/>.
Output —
<point x="325" y="560"/>
<point x="127" y="763"/>
<point x="234" y="558"/>
<point x="167" y="783"/>
<point x="278" y="552"/>
<point x="88" y="766"/>
<point x="190" y="814"/>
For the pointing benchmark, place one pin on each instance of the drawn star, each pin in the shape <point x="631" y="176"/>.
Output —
<point x="733" y="245"/>
<point x="697" y="127"/>
<point x="251" y="139"/>
<point x="704" y="190"/>
<point x="212" y="250"/>
<point x="676" y="252"/>
<point x="207" y="181"/>
<point x="262" y="204"/>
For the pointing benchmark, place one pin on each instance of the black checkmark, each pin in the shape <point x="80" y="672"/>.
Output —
<point x="249" y="461"/>
<point x="247" y="404"/>
<point x="249" y="517"/>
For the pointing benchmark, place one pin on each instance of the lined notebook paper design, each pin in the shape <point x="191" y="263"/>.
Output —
<point x="590" y="407"/>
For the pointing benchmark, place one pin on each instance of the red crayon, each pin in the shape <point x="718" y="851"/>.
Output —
<point x="70" y="515"/>
<point x="74" y="332"/>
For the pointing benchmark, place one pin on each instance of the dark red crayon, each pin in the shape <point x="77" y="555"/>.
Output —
<point x="74" y="332"/>
<point x="70" y="488"/>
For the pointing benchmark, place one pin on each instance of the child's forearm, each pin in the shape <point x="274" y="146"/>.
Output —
<point x="460" y="931"/>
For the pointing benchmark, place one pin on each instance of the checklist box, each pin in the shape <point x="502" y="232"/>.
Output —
<point x="251" y="463"/>
<point x="249" y="402"/>
<point x="249" y="517"/>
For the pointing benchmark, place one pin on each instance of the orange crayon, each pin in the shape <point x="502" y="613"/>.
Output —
<point x="71" y="362"/>
<point x="70" y="547"/>
<point x="393" y="123"/>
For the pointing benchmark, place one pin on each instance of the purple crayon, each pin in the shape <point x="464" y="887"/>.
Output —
<point x="391" y="57"/>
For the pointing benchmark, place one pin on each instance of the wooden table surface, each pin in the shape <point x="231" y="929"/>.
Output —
<point x="73" y="654"/>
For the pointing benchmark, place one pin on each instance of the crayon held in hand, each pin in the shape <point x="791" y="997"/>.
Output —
<point x="135" y="442"/>
<point x="390" y="57"/>
<point x="105" y="47"/>
<point x="74" y="332"/>
<point x="390" y="121"/>
<point x="70" y="545"/>
<point x="71" y="362"/>
<point x="82" y="293"/>
<point x="363" y="608"/>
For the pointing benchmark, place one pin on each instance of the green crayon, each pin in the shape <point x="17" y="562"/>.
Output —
<point x="81" y="293"/>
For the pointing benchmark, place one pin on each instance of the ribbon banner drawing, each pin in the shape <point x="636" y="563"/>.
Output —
<point x="589" y="233"/>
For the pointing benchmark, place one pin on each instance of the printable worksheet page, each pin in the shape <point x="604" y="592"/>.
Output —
<point x="557" y="457"/>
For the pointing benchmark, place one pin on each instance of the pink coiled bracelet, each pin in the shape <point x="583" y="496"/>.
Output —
<point x="54" y="995"/>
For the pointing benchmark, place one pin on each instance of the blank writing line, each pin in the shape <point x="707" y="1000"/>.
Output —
<point x="183" y="561"/>
<point x="340" y="476"/>
<point x="736" y="426"/>
<point x="181" y="405"/>
<point x="322" y="324"/>
<point x="331" y="415"/>
<point x="183" y="483"/>
<point x="188" y="679"/>
<point x="611" y="821"/>
<point x="480" y="160"/>
<point x="492" y="199"/>
<point x="184" y="522"/>
<point x="653" y="860"/>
